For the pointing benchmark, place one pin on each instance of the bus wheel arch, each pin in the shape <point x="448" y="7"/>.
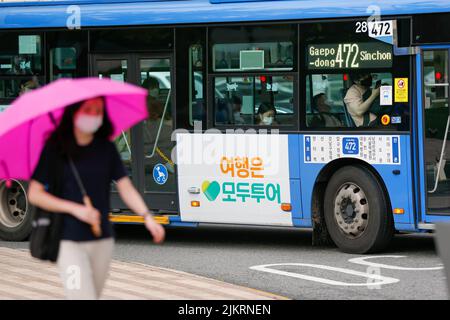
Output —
<point x="321" y="232"/>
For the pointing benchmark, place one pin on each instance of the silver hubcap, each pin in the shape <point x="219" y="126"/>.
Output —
<point x="351" y="210"/>
<point x="13" y="204"/>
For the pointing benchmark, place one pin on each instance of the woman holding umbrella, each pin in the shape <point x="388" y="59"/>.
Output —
<point x="83" y="136"/>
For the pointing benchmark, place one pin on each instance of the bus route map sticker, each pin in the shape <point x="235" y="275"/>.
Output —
<point x="401" y="89"/>
<point x="160" y="174"/>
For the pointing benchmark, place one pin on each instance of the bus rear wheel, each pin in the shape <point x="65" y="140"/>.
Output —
<point x="15" y="212"/>
<point x="356" y="211"/>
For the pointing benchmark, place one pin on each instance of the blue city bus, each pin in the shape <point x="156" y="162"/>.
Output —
<point x="330" y="115"/>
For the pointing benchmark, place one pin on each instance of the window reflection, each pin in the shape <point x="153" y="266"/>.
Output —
<point x="274" y="56"/>
<point x="12" y="88"/>
<point x="63" y="62"/>
<point x="20" y="54"/>
<point x="252" y="100"/>
<point x="158" y="128"/>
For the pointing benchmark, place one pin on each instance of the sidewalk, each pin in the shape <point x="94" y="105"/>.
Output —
<point x="23" y="277"/>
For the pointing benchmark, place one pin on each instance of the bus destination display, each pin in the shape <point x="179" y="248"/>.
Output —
<point x="349" y="56"/>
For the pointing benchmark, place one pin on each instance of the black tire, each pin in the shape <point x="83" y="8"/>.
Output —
<point x="351" y="191"/>
<point x="12" y="229"/>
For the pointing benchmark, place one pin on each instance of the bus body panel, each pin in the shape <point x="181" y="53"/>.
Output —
<point x="45" y="15"/>
<point x="395" y="183"/>
<point x="296" y="182"/>
<point x="213" y="180"/>
<point x="235" y="178"/>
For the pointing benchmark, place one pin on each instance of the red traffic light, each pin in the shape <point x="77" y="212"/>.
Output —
<point x="438" y="75"/>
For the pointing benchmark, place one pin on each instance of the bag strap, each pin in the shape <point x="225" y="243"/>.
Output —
<point x="96" y="229"/>
<point x="77" y="177"/>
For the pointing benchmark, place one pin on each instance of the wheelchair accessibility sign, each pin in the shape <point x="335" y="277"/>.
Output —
<point x="160" y="174"/>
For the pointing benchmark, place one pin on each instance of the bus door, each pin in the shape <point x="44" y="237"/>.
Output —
<point x="146" y="148"/>
<point x="436" y="135"/>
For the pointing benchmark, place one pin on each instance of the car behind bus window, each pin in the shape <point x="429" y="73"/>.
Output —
<point x="254" y="100"/>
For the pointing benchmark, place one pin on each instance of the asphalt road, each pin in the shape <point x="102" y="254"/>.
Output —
<point x="236" y="254"/>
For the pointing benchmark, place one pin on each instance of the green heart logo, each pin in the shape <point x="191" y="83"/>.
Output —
<point x="211" y="189"/>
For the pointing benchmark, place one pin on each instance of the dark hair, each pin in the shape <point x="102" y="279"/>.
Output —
<point x="150" y="82"/>
<point x="314" y="101"/>
<point x="63" y="137"/>
<point x="265" y="107"/>
<point x="236" y="100"/>
<point x="355" y="76"/>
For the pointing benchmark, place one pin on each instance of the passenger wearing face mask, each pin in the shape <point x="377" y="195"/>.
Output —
<point x="266" y="115"/>
<point x="360" y="98"/>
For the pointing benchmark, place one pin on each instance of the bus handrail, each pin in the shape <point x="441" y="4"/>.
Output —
<point x="436" y="180"/>
<point x="160" y="127"/>
<point x="126" y="142"/>
<point x="436" y="84"/>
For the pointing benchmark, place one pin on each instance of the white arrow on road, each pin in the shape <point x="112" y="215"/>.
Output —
<point x="372" y="279"/>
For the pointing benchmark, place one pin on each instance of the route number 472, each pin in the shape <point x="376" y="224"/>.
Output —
<point x="350" y="145"/>
<point x="375" y="29"/>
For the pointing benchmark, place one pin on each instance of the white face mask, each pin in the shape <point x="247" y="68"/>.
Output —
<point x="267" y="120"/>
<point x="88" y="124"/>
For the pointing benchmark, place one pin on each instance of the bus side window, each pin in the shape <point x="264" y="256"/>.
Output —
<point x="21" y="65"/>
<point x="254" y="100"/>
<point x="324" y="106"/>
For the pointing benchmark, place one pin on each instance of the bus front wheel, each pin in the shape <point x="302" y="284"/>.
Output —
<point x="15" y="211"/>
<point x="356" y="211"/>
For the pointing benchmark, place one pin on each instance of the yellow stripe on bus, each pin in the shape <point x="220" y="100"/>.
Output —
<point x="136" y="219"/>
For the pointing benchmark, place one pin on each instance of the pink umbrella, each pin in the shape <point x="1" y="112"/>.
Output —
<point x="26" y="124"/>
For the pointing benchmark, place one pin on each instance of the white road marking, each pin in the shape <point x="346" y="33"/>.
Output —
<point x="372" y="279"/>
<point x="362" y="261"/>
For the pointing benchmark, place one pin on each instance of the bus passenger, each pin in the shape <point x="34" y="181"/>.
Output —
<point x="322" y="115"/>
<point x="222" y="112"/>
<point x="359" y="100"/>
<point x="236" y="107"/>
<point x="153" y="102"/>
<point x="28" y="85"/>
<point x="265" y="115"/>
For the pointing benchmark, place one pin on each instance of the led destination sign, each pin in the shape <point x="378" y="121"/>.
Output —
<point x="349" y="56"/>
